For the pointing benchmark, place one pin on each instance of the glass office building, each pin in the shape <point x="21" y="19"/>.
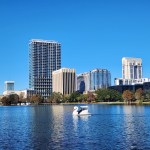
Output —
<point x="44" y="58"/>
<point x="100" y="78"/>
<point x="80" y="83"/>
<point x="83" y="82"/>
<point x="9" y="85"/>
<point x="93" y="80"/>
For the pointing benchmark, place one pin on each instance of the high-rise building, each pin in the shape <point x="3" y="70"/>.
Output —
<point x="100" y="78"/>
<point x="131" y="72"/>
<point x="80" y="83"/>
<point x="64" y="81"/>
<point x="83" y="82"/>
<point x="9" y="88"/>
<point x="131" y="68"/>
<point x="9" y="85"/>
<point x="93" y="80"/>
<point x="44" y="58"/>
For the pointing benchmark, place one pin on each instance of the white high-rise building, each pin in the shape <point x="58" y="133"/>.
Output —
<point x="131" y="68"/>
<point x="64" y="81"/>
<point x="131" y="72"/>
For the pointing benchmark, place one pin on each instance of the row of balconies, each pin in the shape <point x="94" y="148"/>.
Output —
<point x="35" y="51"/>
<point x="43" y="88"/>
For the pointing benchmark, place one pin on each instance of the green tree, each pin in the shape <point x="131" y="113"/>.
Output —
<point x="66" y="98"/>
<point x="82" y="98"/>
<point x="85" y="97"/>
<point x="108" y="95"/>
<point x="73" y="97"/>
<point x="102" y="94"/>
<point x="146" y="95"/>
<point x="55" y="97"/>
<point x="114" y="95"/>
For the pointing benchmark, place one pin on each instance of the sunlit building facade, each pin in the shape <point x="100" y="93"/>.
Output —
<point x="132" y="72"/>
<point x="44" y="58"/>
<point x="131" y="68"/>
<point x="64" y="81"/>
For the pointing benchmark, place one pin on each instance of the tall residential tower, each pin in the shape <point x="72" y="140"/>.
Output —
<point x="100" y="78"/>
<point x="44" y="58"/>
<point x="131" y="68"/>
<point x="131" y="72"/>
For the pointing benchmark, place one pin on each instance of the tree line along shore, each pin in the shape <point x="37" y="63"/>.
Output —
<point x="100" y="96"/>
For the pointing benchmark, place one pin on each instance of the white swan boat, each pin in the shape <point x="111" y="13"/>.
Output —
<point x="80" y="110"/>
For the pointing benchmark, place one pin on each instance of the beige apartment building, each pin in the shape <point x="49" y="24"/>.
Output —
<point x="132" y="72"/>
<point x="131" y="68"/>
<point x="64" y="81"/>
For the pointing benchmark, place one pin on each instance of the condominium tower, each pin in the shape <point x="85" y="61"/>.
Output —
<point x="64" y="81"/>
<point x="94" y="80"/>
<point x="131" y="72"/>
<point x="131" y="68"/>
<point x="44" y="58"/>
<point x="100" y="78"/>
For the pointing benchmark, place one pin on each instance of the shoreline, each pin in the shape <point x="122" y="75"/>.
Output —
<point x="109" y="103"/>
<point x="84" y="103"/>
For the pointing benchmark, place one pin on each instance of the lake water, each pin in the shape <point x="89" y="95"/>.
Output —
<point x="110" y="127"/>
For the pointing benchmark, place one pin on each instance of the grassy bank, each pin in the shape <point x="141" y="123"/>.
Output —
<point x="109" y="103"/>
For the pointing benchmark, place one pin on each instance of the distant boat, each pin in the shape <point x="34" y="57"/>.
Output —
<point x="27" y="103"/>
<point x="81" y="110"/>
<point x="24" y="104"/>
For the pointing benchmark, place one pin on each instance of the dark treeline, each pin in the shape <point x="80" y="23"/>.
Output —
<point x="101" y="95"/>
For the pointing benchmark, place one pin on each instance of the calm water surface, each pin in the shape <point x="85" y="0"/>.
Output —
<point x="110" y="127"/>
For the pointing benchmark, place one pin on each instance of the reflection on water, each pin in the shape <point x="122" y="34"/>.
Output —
<point x="83" y="117"/>
<point x="78" y="119"/>
<point x="133" y="110"/>
<point x="134" y="126"/>
<point x="54" y="127"/>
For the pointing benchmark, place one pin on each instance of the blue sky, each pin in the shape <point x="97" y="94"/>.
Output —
<point x="93" y="34"/>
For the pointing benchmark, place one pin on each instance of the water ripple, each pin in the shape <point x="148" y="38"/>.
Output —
<point x="54" y="127"/>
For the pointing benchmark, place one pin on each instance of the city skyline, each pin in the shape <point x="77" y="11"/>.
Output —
<point x="98" y="38"/>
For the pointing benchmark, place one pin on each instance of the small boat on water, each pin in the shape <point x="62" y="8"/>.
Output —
<point x="81" y="110"/>
<point x="27" y="103"/>
<point x="24" y="104"/>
